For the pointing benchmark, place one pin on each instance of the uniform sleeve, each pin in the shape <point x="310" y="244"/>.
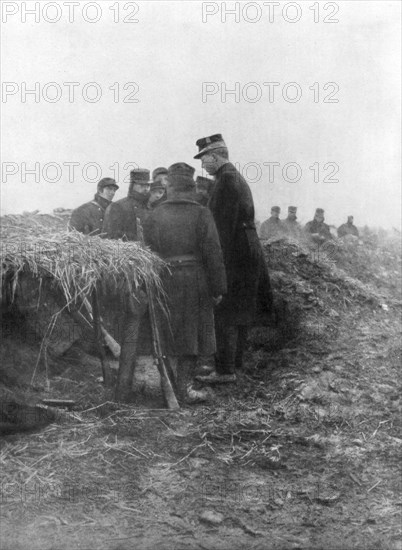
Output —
<point x="113" y="222"/>
<point x="263" y="230"/>
<point x="78" y="221"/>
<point x="327" y="232"/>
<point x="150" y="233"/>
<point x="211" y="253"/>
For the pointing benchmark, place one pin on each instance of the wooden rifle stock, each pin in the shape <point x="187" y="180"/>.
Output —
<point x="167" y="387"/>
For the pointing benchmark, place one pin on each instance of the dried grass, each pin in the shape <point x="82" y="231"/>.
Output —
<point x="42" y="246"/>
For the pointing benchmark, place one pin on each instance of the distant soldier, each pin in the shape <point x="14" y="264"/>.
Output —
<point x="160" y="175"/>
<point x="184" y="234"/>
<point x="272" y="227"/>
<point x="203" y="187"/>
<point x="88" y="218"/>
<point x="317" y="230"/>
<point x="292" y="226"/>
<point x="348" y="228"/>
<point x="232" y="206"/>
<point x="120" y="217"/>
<point x="158" y="187"/>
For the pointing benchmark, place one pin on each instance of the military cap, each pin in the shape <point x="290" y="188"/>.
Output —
<point x="209" y="144"/>
<point x="319" y="211"/>
<point x="203" y="183"/>
<point x="157" y="185"/>
<point x="107" y="182"/>
<point x="140" y="176"/>
<point x="181" y="176"/>
<point x="292" y="209"/>
<point x="275" y="209"/>
<point x="161" y="171"/>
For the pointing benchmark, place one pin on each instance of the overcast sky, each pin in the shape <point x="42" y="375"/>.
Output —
<point x="338" y="123"/>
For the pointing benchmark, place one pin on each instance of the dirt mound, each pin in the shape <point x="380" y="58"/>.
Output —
<point x="302" y="453"/>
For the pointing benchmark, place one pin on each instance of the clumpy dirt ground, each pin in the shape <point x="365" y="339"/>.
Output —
<point x="301" y="453"/>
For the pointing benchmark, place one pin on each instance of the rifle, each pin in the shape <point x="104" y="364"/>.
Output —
<point x="109" y="340"/>
<point x="166" y="384"/>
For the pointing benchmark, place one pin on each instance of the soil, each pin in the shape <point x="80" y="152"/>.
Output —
<point x="302" y="453"/>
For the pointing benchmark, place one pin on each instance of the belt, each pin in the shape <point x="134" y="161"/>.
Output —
<point x="182" y="260"/>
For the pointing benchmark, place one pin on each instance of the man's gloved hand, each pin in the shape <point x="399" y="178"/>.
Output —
<point x="217" y="300"/>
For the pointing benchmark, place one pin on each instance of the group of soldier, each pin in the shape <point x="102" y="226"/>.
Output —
<point x="316" y="230"/>
<point x="217" y="280"/>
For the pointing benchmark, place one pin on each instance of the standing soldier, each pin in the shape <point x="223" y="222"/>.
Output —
<point x="121" y="223"/>
<point x="158" y="194"/>
<point x="160" y="175"/>
<point x="184" y="234"/>
<point x="88" y="218"/>
<point x="291" y="224"/>
<point x="232" y="207"/>
<point x="272" y="227"/>
<point x="121" y="216"/>
<point x="158" y="186"/>
<point x="317" y="230"/>
<point x="203" y="187"/>
<point x="348" y="228"/>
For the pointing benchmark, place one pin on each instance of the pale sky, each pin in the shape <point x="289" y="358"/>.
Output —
<point x="168" y="55"/>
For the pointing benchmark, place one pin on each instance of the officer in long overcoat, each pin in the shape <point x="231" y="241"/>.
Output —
<point x="232" y="206"/>
<point x="88" y="218"/>
<point x="184" y="234"/>
<point x="120" y="217"/>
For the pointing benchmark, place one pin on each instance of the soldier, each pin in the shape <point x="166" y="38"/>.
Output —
<point x="160" y="175"/>
<point x="158" y="186"/>
<point x="88" y="218"/>
<point x="272" y="227"/>
<point x="317" y="230"/>
<point x="158" y="194"/>
<point x="120" y="217"/>
<point x="203" y="188"/>
<point x="121" y="223"/>
<point x="184" y="234"/>
<point x="348" y="228"/>
<point x="232" y="207"/>
<point x="291" y="224"/>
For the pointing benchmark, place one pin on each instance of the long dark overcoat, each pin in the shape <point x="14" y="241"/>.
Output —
<point x="88" y="218"/>
<point x="232" y="207"/>
<point x="120" y="218"/>
<point x="182" y="228"/>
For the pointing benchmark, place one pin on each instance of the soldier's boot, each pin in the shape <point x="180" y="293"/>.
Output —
<point x="185" y="374"/>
